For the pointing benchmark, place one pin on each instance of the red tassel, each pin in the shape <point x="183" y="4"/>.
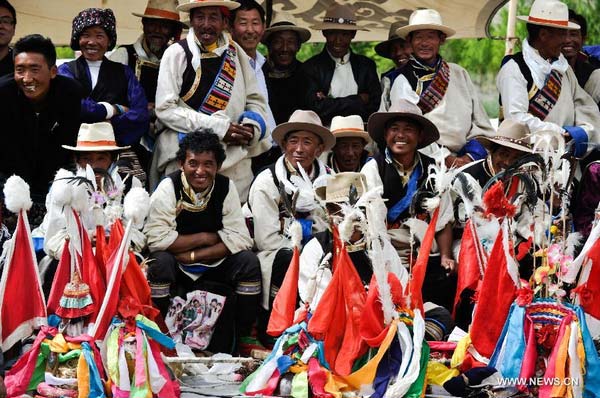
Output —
<point x="496" y="202"/>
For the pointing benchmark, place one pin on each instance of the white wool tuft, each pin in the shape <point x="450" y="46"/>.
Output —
<point x="16" y="194"/>
<point x="573" y="241"/>
<point x="136" y="206"/>
<point x="62" y="191"/>
<point x="430" y="204"/>
<point x="81" y="198"/>
<point x="295" y="233"/>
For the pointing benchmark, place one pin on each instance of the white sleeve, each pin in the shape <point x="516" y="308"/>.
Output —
<point x="175" y="114"/>
<point x="512" y="87"/>
<point x="592" y="86"/>
<point x="371" y="172"/>
<point x="120" y="55"/>
<point x="160" y="227"/>
<point x="263" y="200"/>
<point x="234" y="233"/>
<point x="401" y="89"/>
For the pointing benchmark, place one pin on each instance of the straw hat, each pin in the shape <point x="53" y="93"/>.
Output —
<point x="306" y="121"/>
<point x="349" y="127"/>
<point x="338" y="187"/>
<point x="95" y="137"/>
<point x="383" y="48"/>
<point x="339" y="17"/>
<point x="161" y="9"/>
<point x="552" y="13"/>
<point x="425" y="19"/>
<point x="406" y="110"/>
<point x="511" y="134"/>
<point x="231" y="5"/>
<point x="283" y="21"/>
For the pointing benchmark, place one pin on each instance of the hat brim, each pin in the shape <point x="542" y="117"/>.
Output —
<point x="570" y="25"/>
<point x="337" y="26"/>
<point x="377" y="121"/>
<point x="405" y="30"/>
<point x="352" y="134"/>
<point x="302" y="32"/>
<point x="281" y="131"/>
<point x="183" y="24"/>
<point x="487" y="141"/>
<point x="231" y="5"/>
<point x="96" y="148"/>
<point x="383" y="49"/>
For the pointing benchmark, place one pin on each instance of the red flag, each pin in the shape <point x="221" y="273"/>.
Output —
<point x="90" y="273"/>
<point x="472" y="261"/>
<point x="100" y="249"/>
<point x="61" y="278"/>
<point x="588" y="289"/>
<point x="135" y="285"/>
<point x="284" y="305"/>
<point x="495" y="296"/>
<point x="420" y="267"/>
<point x="22" y="306"/>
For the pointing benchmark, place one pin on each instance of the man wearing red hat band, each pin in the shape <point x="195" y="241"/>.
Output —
<point x="206" y="81"/>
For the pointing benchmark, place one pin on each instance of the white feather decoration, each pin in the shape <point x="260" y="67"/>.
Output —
<point x="136" y="206"/>
<point x="61" y="192"/>
<point x="573" y="240"/>
<point x="295" y="233"/>
<point x="470" y="193"/>
<point x="81" y="198"/>
<point x="16" y="194"/>
<point x="91" y="176"/>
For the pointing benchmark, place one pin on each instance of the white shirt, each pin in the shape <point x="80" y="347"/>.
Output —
<point x="94" y="68"/>
<point x="342" y="82"/>
<point x="257" y="65"/>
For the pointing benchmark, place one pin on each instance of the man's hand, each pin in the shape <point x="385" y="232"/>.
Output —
<point x="238" y="134"/>
<point x="321" y="95"/>
<point x="364" y="97"/>
<point x="449" y="264"/>
<point x="457" y="161"/>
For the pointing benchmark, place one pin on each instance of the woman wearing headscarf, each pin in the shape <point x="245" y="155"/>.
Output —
<point x="111" y="91"/>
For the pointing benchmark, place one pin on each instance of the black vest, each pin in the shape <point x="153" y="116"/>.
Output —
<point x="210" y="69"/>
<point x="393" y="187"/>
<point x="147" y="75"/>
<point x="112" y="81"/>
<point x="208" y="220"/>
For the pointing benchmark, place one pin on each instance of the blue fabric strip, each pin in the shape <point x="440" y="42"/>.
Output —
<point x="96" y="386"/>
<point x="258" y="119"/>
<point x="387" y="369"/>
<point x="156" y="335"/>
<point x="474" y="149"/>
<point x="592" y="362"/>
<point x="580" y="139"/>
<point x="395" y="211"/>
<point x="515" y="343"/>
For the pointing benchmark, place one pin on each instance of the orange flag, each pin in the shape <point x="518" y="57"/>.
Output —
<point x="282" y="315"/>
<point x="472" y="261"/>
<point x="420" y="267"/>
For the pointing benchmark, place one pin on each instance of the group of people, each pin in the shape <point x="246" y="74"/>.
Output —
<point x="235" y="147"/>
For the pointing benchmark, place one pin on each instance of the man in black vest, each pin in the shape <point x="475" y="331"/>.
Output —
<point x="196" y="232"/>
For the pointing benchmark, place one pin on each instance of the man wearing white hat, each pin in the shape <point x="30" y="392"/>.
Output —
<point x="444" y="91"/>
<point x="349" y="152"/>
<point x="284" y="192"/>
<point x="538" y="88"/>
<point x="206" y="81"/>
<point x="340" y="82"/>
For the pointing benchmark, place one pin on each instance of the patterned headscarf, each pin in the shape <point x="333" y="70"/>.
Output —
<point x="94" y="17"/>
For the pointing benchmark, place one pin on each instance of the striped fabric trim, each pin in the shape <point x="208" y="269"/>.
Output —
<point x="273" y="291"/>
<point x="160" y="290"/>
<point x="544" y="100"/>
<point x="219" y="94"/>
<point x="248" y="288"/>
<point x="433" y="95"/>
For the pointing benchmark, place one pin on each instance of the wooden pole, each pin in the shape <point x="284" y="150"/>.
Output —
<point x="511" y="39"/>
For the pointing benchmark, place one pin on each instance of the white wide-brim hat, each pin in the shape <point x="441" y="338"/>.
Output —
<point x="510" y="134"/>
<point x="337" y="189"/>
<point x="161" y="9"/>
<point x="96" y="137"/>
<point x="424" y="20"/>
<point x="305" y="121"/>
<point x="231" y="5"/>
<point x="349" y="127"/>
<point x="551" y="13"/>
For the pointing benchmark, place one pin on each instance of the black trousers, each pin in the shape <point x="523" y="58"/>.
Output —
<point x="237" y="277"/>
